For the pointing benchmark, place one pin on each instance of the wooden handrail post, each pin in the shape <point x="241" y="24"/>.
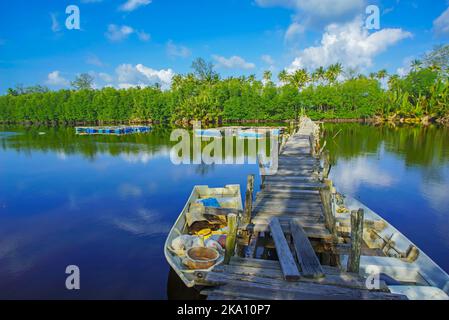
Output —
<point x="356" y="240"/>
<point x="248" y="200"/>
<point x="231" y="237"/>
<point x="326" y="199"/>
<point x="326" y="164"/>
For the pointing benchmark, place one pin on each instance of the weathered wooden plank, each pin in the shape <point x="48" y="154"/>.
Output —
<point x="278" y="211"/>
<point x="293" y="185"/>
<point x="282" y="196"/>
<point x="265" y="275"/>
<point x="289" y="191"/>
<point x="294" y="166"/>
<point x="317" y="232"/>
<point x="274" y="264"/>
<point x="298" y="172"/>
<point x="292" y="204"/>
<point x="286" y="259"/>
<point x="255" y="263"/>
<point x="276" y="178"/>
<point x="280" y="290"/>
<point x="310" y="265"/>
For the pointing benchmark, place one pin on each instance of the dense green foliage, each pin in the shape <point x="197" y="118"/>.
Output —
<point x="202" y="95"/>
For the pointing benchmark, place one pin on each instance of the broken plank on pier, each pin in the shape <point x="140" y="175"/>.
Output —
<point x="310" y="265"/>
<point x="288" y="264"/>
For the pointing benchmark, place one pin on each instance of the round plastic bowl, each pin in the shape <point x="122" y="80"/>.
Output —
<point x="201" y="258"/>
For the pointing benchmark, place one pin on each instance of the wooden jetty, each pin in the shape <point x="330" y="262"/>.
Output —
<point x="287" y="241"/>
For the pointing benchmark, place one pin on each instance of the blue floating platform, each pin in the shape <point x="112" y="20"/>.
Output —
<point x="119" y="130"/>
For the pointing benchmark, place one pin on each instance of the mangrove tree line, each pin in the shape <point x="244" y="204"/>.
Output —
<point x="333" y="92"/>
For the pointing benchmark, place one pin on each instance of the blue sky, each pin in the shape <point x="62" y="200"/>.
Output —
<point x="138" y="42"/>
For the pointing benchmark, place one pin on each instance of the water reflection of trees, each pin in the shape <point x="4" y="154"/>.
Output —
<point x="423" y="146"/>
<point x="64" y="141"/>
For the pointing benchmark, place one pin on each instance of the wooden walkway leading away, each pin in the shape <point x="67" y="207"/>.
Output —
<point x="291" y="211"/>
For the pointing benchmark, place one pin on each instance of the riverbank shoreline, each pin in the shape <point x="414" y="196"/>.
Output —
<point x="375" y="121"/>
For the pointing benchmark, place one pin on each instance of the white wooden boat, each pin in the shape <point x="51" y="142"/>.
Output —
<point x="408" y="269"/>
<point x="228" y="197"/>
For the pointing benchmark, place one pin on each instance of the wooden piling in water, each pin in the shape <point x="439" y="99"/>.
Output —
<point x="356" y="240"/>
<point x="326" y="164"/>
<point x="326" y="199"/>
<point x="248" y="199"/>
<point x="231" y="237"/>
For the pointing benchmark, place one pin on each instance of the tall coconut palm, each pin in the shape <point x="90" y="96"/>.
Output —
<point x="416" y="65"/>
<point x="299" y="78"/>
<point x="372" y="75"/>
<point x="319" y="74"/>
<point x="333" y="72"/>
<point x="382" y="74"/>
<point x="283" y="76"/>
<point x="393" y="81"/>
<point x="267" y="76"/>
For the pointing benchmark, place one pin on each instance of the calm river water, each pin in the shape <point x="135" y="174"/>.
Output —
<point x="106" y="204"/>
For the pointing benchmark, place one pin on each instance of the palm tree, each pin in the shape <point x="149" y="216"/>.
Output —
<point x="416" y="65"/>
<point x="299" y="78"/>
<point x="393" y="81"/>
<point x="267" y="76"/>
<point x="283" y="76"/>
<point x="333" y="72"/>
<point x="319" y="74"/>
<point x="382" y="74"/>
<point x="373" y="75"/>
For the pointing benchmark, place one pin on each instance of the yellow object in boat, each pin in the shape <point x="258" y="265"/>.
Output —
<point x="204" y="232"/>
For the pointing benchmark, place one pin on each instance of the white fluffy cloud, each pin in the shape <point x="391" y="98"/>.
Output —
<point x="118" y="33"/>
<point x="143" y="36"/>
<point x="441" y="24"/>
<point x="139" y="75"/>
<point x="55" y="79"/>
<point x="234" y="62"/>
<point x="132" y="5"/>
<point x="267" y="59"/>
<point x="175" y="50"/>
<point x="294" y="30"/>
<point x="350" y="44"/>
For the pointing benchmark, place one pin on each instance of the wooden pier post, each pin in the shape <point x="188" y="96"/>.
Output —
<point x="248" y="200"/>
<point x="326" y="164"/>
<point x="326" y="199"/>
<point x="231" y="237"/>
<point x="356" y="240"/>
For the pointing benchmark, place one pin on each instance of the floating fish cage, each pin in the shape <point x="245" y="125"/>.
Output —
<point x="121" y="130"/>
